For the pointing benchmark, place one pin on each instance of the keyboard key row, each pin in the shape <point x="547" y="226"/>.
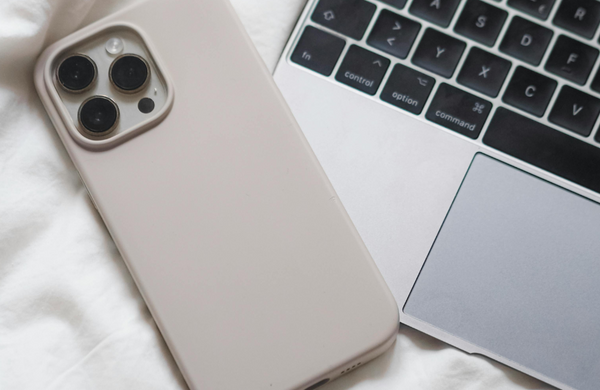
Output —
<point x="466" y="114"/>
<point x="482" y="22"/>
<point x="484" y="72"/>
<point x="479" y="21"/>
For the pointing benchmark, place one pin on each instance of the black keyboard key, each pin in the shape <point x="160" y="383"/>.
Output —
<point x="529" y="91"/>
<point x="484" y="72"/>
<point x="348" y="17"/>
<point x="538" y="8"/>
<point x="438" y="53"/>
<point x="545" y="148"/>
<point x="407" y="89"/>
<point x="481" y="22"/>
<point x="396" y="3"/>
<point x="579" y="16"/>
<point x="572" y="60"/>
<point x="596" y="82"/>
<point x="575" y="111"/>
<point x="318" y="50"/>
<point x="362" y="69"/>
<point x="459" y="111"/>
<point x="526" y="41"/>
<point x="394" y="34"/>
<point x="439" y="12"/>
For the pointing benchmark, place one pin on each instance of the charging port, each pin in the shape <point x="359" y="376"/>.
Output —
<point x="318" y="384"/>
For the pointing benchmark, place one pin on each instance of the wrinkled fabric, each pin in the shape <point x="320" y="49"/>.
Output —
<point x="71" y="317"/>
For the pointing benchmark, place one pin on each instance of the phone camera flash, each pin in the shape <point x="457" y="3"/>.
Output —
<point x="114" y="46"/>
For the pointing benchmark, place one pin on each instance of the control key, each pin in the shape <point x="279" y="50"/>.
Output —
<point x="459" y="111"/>
<point x="362" y="69"/>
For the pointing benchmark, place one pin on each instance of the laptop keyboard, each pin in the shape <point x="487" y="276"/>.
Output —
<point x="520" y="76"/>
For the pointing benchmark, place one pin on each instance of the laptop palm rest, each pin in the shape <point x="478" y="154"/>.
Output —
<point x="515" y="270"/>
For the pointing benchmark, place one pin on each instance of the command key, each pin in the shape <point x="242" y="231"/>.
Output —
<point x="459" y="111"/>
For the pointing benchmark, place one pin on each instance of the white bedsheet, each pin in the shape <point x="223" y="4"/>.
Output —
<point x="70" y="315"/>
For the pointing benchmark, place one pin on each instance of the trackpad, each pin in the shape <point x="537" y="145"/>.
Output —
<point x="515" y="270"/>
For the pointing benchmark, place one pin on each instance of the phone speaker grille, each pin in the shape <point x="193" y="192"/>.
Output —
<point x="347" y="370"/>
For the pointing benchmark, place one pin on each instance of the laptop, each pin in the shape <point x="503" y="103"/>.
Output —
<point x="462" y="137"/>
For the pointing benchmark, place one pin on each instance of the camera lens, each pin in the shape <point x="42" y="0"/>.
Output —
<point x="98" y="115"/>
<point x="76" y="73"/>
<point x="129" y="73"/>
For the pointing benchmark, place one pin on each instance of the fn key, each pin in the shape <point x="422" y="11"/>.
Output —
<point x="318" y="50"/>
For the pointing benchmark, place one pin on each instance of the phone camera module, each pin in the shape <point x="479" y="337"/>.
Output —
<point x="129" y="73"/>
<point x="99" y="115"/>
<point x="77" y="73"/>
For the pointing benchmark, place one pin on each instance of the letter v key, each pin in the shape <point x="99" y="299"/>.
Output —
<point x="576" y="109"/>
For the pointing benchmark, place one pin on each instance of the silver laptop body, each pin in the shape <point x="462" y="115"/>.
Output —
<point x="462" y="137"/>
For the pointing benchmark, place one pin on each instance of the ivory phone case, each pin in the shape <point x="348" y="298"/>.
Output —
<point x="245" y="256"/>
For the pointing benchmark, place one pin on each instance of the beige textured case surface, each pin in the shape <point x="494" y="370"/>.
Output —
<point x="247" y="260"/>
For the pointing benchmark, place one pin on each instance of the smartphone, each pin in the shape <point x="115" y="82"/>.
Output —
<point x="245" y="256"/>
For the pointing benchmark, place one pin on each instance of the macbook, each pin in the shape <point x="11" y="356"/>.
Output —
<point x="462" y="137"/>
